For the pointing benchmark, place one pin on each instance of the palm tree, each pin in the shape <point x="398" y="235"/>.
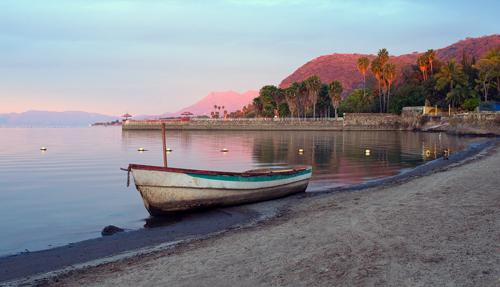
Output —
<point x="363" y="64"/>
<point x="383" y="55"/>
<point x="313" y="84"/>
<point x="460" y="94"/>
<point x="335" y="90"/>
<point x="431" y="55"/>
<point x="376" y="69"/>
<point x="389" y="75"/>
<point x="302" y="99"/>
<point x="291" y="96"/>
<point x="450" y="75"/>
<point x="422" y="63"/>
<point x="258" y="105"/>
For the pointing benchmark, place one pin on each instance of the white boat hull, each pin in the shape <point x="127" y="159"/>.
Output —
<point x="164" y="191"/>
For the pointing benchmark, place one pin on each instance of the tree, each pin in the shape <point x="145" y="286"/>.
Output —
<point x="283" y="110"/>
<point x="267" y="91"/>
<point x="471" y="104"/>
<point x="268" y="111"/>
<point x="489" y="69"/>
<point x="431" y="55"/>
<point x="389" y="75"/>
<point x="303" y="97"/>
<point x="250" y="115"/>
<point x="411" y="95"/>
<point x="383" y="56"/>
<point x="313" y="84"/>
<point x="422" y="63"/>
<point x="363" y="64"/>
<point x="460" y="94"/>
<point x="291" y="94"/>
<point x="258" y="106"/>
<point x="358" y="102"/>
<point x="450" y="75"/>
<point x="376" y="69"/>
<point x="335" y="90"/>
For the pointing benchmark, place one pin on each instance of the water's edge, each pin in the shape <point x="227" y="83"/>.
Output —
<point x="195" y="226"/>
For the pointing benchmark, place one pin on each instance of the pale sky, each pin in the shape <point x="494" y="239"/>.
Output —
<point x="151" y="57"/>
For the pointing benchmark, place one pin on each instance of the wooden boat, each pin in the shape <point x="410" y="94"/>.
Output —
<point x="167" y="190"/>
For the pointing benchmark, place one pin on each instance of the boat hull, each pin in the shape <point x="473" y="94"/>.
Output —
<point x="165" y="191"/>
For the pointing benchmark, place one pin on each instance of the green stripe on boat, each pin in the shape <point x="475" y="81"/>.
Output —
<point x="258" y="178"/>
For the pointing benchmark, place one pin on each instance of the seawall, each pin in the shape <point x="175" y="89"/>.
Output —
<point x="461" y="124"/>
<point x="349" y="122"/>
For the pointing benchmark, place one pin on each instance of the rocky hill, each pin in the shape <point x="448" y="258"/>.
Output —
<point x="231" y="101"/>
<point x="343" y="67"/>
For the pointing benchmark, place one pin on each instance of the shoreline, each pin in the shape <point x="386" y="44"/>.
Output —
<point x="217" y="223"/>
<point x="483" y="124"/>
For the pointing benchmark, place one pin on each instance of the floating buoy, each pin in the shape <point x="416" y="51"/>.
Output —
<point x="301" y="150"/>
<point x="141" y="149"/>
<point x="428" y="152"/>
<point x="224" y="150"/>
<point x="43" y="148"/>
<point x="168" y="150"/>
<point x="367" y="152"/>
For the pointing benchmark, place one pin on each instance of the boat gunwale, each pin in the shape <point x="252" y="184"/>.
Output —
<point x="258" y="172"/>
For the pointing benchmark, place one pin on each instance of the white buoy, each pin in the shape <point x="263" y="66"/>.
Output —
<point x="43" y="148"/>
<point x="367" y="152"/>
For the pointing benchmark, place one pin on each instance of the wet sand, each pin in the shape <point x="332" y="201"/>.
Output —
<point x="438" y="225"/>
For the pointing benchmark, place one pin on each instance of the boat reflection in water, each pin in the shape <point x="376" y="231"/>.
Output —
<point x="338" y="159"/>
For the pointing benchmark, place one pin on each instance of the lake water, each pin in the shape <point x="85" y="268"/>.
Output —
<point x="75" y="188"/>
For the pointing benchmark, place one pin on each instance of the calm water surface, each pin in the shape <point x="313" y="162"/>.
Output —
<point x="75" y="188"/>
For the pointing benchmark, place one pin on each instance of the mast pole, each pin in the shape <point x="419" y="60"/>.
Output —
<point x="164" y="144"/>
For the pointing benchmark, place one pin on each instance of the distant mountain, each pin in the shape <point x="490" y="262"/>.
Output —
<point x="231" y="101"/>
<point x="152" y="117"/>
<point x="343" y="67"/>
<point x="72" y="118"/>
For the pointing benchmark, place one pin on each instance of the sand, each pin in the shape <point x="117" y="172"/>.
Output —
<point x="439" y="229"/>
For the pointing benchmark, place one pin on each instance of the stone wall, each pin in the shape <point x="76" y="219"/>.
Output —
<point x="350" y="122"/>
<point x="383" y="121"/>
<point x="475" y="124"/>
<point x="236" y="125"/>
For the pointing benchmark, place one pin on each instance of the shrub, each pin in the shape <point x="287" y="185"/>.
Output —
<point x="250" y="115"/>
<point x="471" y="104"/>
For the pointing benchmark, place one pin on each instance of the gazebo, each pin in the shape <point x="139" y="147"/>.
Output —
<point x="187" y="114"/>
<point x="126" y="116"/>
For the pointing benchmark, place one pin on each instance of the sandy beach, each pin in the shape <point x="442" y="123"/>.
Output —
<point x="441" y="228"/>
